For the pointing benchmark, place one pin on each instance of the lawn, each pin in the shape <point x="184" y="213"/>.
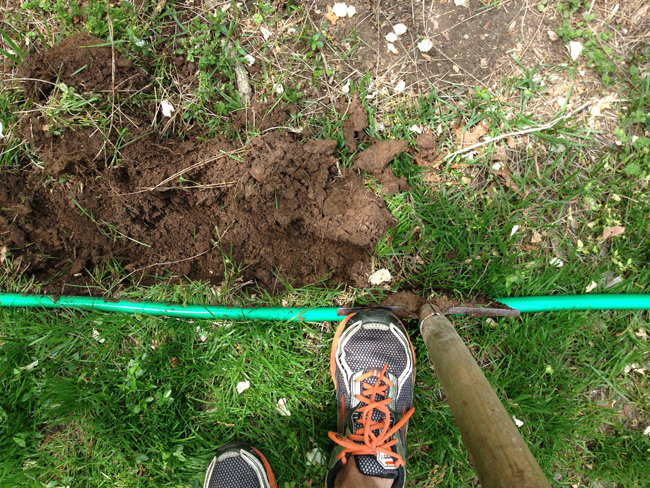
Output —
<point x="562" y="160"/>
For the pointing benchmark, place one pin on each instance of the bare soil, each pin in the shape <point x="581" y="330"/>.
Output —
<point x="472" y="43"/>
<point x="280" y="206"/>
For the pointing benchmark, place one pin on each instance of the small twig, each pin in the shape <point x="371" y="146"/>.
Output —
<point x="521" y="132"/>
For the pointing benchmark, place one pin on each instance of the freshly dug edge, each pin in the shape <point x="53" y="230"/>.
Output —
<point x="280" y="207"/>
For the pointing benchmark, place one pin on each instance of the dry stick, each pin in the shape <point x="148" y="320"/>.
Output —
<point x="519" y="133"/>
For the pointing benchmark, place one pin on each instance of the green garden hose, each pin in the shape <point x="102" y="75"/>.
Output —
<point x="314" y="314"/>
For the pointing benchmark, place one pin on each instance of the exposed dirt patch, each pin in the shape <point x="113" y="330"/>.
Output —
<point x="471" y="44"/>
<point x="278" y="206"/>
<point x="83" y="62"/>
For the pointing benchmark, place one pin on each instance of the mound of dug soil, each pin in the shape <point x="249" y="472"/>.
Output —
<point x="279" y="205"/>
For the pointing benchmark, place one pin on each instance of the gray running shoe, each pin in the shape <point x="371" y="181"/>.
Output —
<point x="373" y="368"/>
<point x="239" y="465"/>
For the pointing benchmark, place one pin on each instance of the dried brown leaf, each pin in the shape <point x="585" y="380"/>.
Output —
<point x="504" y="175"/>
<point x="472" y="136"/>
<point x="330" y="15"/>
<point x="614" y="231"/>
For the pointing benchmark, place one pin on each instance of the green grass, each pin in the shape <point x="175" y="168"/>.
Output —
<point x="144" y="402"/>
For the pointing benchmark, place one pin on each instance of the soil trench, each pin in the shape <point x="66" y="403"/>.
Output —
<point x="280" y="206"/>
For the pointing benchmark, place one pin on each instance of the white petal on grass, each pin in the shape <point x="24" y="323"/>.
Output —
<point x="351" y="10"/>
<point x="380" y="277"/>
<point x="380" y="127"/>
<point x="399" y="29"/>
<point x="647" y="430"/>
<point x="340" y="9"/>
<point x="243" y="386"/>
<point x="575" y="48"/>
<point x="279" y="89"/>
<point x="346" y="88"/>
<point x="514" y="230"/>
<point x="557" y="262"/>
<point x="250" y="60"/>
<point x="282" y="407"/>
<point x="401" y="86"/>
<point x="461" y="3"/>
<point x="96" y="337"/>
<point x="1" y="129"/>
<point x="391" y="37"/>
<point x="315" y="456"/>
<point x="591" y="286"/>
<point x="265" y="32"/>
<point x="30" y="366"/>
<point x="391" y="47"/>
<point x="415" y="128"/>
<point x="201" y="335"/>
<point x="167" y="108"/>
<point x="518" y="422"/>
<point x="425" y="45"/>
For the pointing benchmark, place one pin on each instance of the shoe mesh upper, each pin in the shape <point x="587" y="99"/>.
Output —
<point x="233" y="472"/>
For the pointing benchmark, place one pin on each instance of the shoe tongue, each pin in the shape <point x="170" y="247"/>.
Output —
<point x="381" y="465"/>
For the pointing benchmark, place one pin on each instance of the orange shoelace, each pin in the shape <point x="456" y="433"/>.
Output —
<point x="372" y="444"/>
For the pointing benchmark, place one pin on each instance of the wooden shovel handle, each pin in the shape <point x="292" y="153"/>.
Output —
<point x="499" y="454"/>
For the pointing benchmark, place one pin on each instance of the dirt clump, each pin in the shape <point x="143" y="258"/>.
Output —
<point x="376" y="159"/>
<point x="83" y="62"/>
<point x="355" y="123"/>
<point x="280" y="207"/>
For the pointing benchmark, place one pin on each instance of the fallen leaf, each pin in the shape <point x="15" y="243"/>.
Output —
<point x="399" y="29"/>
<point x="282" y="407"/>
<point x="504" y="174"/>
<point x="415" y="128"/>
<point x="351" y="10"/>
<point x="330" y="15"/>
<point x="250" y="60"/>
<point x="491" y="322"/>
<point x="1" y="129"/>
<point x="641" y="334"/>
<point x="340" y="9"/>
<point x="243" y="386"/>
<point x="391" y="47"/>
<point x="529" y="247"/>
<point x="647" y="431"/>
<point x="461" y="3"/>
<point x="471" y="136"/>
<point x="380" y="277"/>
<point x="537" y="237"/>
<point x="425" y="45"/>
<point x="279" y="89"/>
<point x="614" y="231"/>
<point x="484" y="63"/>
<point x="575" y="48"/>
<point x="401" y="86"/>
<point x="3" y="254"/>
